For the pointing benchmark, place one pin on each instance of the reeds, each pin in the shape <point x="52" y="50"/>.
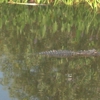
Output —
<point x="94" y="4"/>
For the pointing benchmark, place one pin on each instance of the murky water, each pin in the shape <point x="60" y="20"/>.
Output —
<point x="28" y="76"/>
<point x="4" y="95"/>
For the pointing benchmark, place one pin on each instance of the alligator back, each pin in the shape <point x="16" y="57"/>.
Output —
<point x="67" y="53"/>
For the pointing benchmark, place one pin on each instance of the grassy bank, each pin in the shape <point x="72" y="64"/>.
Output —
<point x="94" y="4"/>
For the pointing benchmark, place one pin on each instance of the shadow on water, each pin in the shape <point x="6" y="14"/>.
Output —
<point x="29" y="76"/>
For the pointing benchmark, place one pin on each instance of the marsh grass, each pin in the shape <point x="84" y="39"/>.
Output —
<point x="94" y="4"/>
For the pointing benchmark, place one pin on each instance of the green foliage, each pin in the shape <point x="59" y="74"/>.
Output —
<point x="94" y="4"/>
<point x="45" y="20"/>
<point x="1" y="1"/>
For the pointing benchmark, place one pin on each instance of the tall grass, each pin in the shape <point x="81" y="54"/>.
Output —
<point x="94" y="4"/>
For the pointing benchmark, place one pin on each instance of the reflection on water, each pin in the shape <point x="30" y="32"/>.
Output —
<point x="51" y="78"/>
<point x="4" y="95"/>
<point x="28" y="76"/>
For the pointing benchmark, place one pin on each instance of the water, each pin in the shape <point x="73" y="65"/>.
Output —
<point x="4" y="95"/>
<point x="28" y="76"/>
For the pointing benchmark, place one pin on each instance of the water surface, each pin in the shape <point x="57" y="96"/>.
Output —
<point x="24" y="32"/>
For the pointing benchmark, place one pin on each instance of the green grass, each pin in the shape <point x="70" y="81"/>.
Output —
<point x="94" y="4"/>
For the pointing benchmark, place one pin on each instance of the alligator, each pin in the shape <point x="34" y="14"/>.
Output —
<point x="68" y="53"/>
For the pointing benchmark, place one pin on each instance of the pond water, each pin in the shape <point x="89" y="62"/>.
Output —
<point x="25" y="31"/>
<point x="4" y="95"/>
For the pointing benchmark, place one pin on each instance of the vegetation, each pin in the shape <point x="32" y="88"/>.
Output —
<point x="26" y="30"/>
<point x="94" y="4"/>
<point x="46" y="20"/>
